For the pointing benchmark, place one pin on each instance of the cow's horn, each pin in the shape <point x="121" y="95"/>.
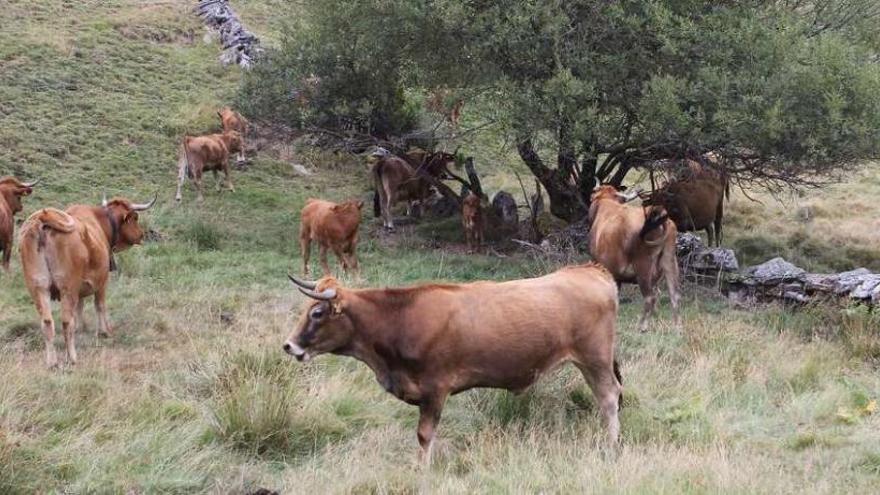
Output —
<point x="631" y="195"/>
<point x="144" y="206"/>
<point x="325" y="295"/>
<point x="31" y="184"/>
<point x="302" y="283"/>
<point x="104" y="199"/>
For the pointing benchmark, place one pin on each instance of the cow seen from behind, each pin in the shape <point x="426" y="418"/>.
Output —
<point x="333" y="226"/>
<point x="208" y="153"/>
<point x="67" y="256"/>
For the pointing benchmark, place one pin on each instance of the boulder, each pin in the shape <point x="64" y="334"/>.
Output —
<point x="775" y="271"/>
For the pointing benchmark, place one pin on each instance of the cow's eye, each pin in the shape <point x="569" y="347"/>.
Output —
<point x="317" y="313"/>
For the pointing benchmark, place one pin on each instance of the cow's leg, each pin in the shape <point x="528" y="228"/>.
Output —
<point x="322" y="254"/>
<point x="669" y="266"/>
<point x="305" y="248"/>
<point x="69" y="304"/>
<point x="710" y="234"/>
<point x="7" y="253"/>
<point x="390" y="199"/>
<point x="102" y="329"/>
<point x="228" y="178"/>
<point x="429" y="416"/>
<point x="340" y="255"/>
<point x="217" y="179"/>
<point x="607" y="390"/>
<point x="44" y="308"/>
<point x="197" y="181"/>
<point x="719" y="215"/>
<point x="645" y="278"/>
<point x="181" y="177"/>
<point x="80" y="321"/>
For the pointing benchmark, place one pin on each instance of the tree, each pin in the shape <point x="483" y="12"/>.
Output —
<point x="786" y="92"/>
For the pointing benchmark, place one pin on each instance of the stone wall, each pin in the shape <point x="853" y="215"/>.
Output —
<point x="240" y="46"/>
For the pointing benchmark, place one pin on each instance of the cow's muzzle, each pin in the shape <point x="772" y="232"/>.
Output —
<point x="296" y="351"/>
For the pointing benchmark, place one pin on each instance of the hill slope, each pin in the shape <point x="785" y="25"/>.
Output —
<point x="193" y="395"/>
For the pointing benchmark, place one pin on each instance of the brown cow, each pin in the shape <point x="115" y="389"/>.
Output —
<point x="472" y="221"/>
<point x="695" y="200"/>
<point x="68" y="255"/>
<point x="233" y="121"/>
<point x="11" y="191"/>
<point x="436" y="163"/>
<point x="428" y="342"/>
<point x="333" y="226"/>
<point x="206" y="153"/>
<point x="635" y="244"/>
<point x="395" y="180"/>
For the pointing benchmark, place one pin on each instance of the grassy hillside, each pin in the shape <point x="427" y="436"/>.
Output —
<point x="194" y="395"/>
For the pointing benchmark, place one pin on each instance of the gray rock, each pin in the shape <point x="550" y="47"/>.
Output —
<point x="775" y="271"/>
<point x="866" y="289"/>
<point x="504" y="207"/>
<point x="693" y="255"/>
<point x="820" y="282"/>
<point x="846" y="282"/>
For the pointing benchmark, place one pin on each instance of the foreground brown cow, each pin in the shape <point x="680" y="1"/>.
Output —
<point x="202" y="154"/>
<point x="67" y="256"/>
<point x="233" y="121"/>
<point x="472" y="221"/>
<point x="395" y="180"/>
<point x="695" y="200"/>
<point x="11" y="191"/>
<point x="428" y="342"/>
<point x="333" y="226"/>
<point x="635" y="244"/>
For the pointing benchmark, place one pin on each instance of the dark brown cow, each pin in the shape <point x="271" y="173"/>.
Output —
<point x="635" y="244"/>
<point x="201" y="154"/>
<point x="334" y="226"/>
<point x="233" y="121"/>
<point x="695" y="200"/>
<point x="472" y="221"/>
<point x="11" y="191"/>
<point x="68" y="255"/>
<point x="435" y="164"/>
<point x="395" y="180"/>
<point x="428" y="342"/>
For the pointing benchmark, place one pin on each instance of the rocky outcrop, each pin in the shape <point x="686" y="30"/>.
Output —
<point x="240" y="46"/>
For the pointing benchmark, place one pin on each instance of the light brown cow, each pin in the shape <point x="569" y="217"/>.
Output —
<point x="11" y="191"/>
<point x="68" y="255"/>
<point x="334" y="226"/>
<point x="635" y="244"/>
<point x="233" y="121"/>
<point x="202" y="154"/>
<point x="395" y="180"/>
<point x="472" y="221"/>
<point x="428" y="342"/>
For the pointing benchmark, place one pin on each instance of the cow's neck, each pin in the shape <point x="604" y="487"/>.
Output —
<point x="111" y="230"/>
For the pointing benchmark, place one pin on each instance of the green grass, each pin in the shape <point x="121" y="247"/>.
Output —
<point x="95" y="95"/>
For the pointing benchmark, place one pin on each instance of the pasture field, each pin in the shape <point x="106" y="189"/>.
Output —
<point x="194" y="395"/>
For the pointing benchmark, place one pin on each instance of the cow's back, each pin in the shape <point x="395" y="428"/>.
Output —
<point x="613" y="238"/>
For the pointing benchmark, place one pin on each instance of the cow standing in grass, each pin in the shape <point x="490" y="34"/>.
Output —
<point x="201" y="154"/>
<point x="68" y="255"/>
<point x="428" y="342"/>
<point x="234" y="121"/>
<point x="635" y="244"/>
<point x="11" y="191"/>
<point x="396" y="180"/>
<point x="334" y="226"/>
<point x="472" y="221"/>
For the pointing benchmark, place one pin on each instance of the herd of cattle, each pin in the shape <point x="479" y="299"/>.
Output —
<point x="424" y="343"/>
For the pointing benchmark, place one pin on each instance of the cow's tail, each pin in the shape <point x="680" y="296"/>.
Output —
<point x="620" y="381"/>
<point x="51" y="218"/>
<point x="655" y="218"/>
<point x="183" y="159"/>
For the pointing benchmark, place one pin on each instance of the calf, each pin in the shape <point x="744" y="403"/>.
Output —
<point x="333" y="226"/>
<point x="68" y="255"/>
<point x="635" y="245"/>
<point x="428" y="342"/>
<point x="201" y="154"/>
<point x="472" y="221"/>
<point x="11" y="191"/>
<point x="233" y="121"/>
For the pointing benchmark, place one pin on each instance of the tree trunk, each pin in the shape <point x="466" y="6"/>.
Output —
<point x="565" y="201"/>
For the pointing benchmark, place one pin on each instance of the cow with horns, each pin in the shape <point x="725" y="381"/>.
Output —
<point x="68" y="255"/>
<point x="428" y="342"/>
<point x="11" y="191"/>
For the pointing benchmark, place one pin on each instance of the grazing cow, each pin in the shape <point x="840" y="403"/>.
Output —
<point x="233" y="121"/>
<point x="472" y="221"/>
<point x="427" y="342"/>
<point x="395" y="180"/>
<point x="68" y="255"/>
<point x="635" y="244"/>
<point x="333" y="226"/>
<point x="695" y="200"/>
<point x="11" y="191"/>
<point x="201" y="154"/>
